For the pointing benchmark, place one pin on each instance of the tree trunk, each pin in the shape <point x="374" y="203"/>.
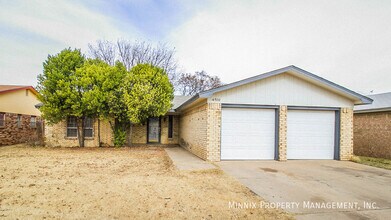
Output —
<point x="80" y="131"/>
<point x="130" y="135"/>
<point x="99" y="144"/>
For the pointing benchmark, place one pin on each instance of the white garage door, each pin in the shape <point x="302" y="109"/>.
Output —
<point x="310" y="134"/>
<point x="247" y="134"/>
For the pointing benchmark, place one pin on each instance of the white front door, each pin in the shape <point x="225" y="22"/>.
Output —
<point x="310" y="134"/>
<point x="247" y="134"/>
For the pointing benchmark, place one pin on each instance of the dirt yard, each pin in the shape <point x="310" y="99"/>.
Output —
<point x="115" y="184"/>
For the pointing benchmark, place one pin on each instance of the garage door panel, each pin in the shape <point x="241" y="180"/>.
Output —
<point x="243" y="155"/>
<point x="247" y="134"/>
<point x="310" y="134"/>
<point x="249" y="128"/>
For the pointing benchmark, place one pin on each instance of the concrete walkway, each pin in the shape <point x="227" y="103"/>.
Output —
<point x="184" y="160"/>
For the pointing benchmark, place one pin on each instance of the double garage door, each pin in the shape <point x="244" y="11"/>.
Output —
<point x="250" y="134"/>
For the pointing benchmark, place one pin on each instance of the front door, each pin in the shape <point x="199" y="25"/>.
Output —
<point x="153" y="130"/>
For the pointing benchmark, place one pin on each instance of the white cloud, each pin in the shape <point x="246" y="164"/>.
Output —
<point x="344" y="41"/>
<point x="67" y="22"/>
<point x="40" y="28"/>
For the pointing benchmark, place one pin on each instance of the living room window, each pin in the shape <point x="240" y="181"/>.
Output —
<point x="72" y="127"/>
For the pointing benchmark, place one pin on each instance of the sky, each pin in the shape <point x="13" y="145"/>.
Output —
<point x="345" y="41"/>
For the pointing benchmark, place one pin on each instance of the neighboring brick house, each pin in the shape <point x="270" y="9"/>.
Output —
<point x="287" y="113"/>
<point x="372" y="127"/>
<point x="20" y="121"/>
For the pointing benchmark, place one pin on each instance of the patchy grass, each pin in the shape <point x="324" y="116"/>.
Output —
<point x="116" y="183"/>
<point x="375" y="162"/>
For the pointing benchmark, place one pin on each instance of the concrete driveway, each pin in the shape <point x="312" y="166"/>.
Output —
<point x="321" y="189"/>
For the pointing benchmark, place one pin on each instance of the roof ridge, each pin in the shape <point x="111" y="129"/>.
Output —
<point x="10" y="88"/>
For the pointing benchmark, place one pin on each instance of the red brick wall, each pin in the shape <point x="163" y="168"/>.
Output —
<point x="12" y="134"/>
<point x="372" y="134"/>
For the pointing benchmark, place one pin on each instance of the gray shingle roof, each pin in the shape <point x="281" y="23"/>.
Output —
<point x="381" y="102"/>
<point x="176" y="102"/>
<point x="179" y="100"/>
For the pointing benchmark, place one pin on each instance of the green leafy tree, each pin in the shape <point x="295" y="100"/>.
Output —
<point x="70" y="85"/>
<point x="122" y="97"/>
<point x="148" y="93"/>
<point x="60" y="94"/>
<point x="103" y="97"/>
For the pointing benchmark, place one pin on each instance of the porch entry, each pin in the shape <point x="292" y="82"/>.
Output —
<point x="153" y="130"/>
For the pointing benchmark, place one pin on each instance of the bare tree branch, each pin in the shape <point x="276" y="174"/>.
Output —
<point x="191" y="84"/>
<point x="104" y="50"/>
<point x="131" y="53"/>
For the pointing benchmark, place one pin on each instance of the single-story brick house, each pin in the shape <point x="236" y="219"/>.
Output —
<point x="287" y="113"/>
<point x="163" y="131"/>
<point x="20" y="121"/>
<point x="372" y="127"/>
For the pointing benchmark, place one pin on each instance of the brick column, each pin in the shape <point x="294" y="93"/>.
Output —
<point x="213" y="131"/>
<point x="346" y="137"/>
<point x="282" y="132"/>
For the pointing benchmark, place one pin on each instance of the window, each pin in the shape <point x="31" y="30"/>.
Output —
<point x="71" y="127"/>
<point x="170" y="125"/>
<point x="2" y="119"/>
<point x="19" y="121"/>
<point x="33" y="122"/>
<point x="88" y="127"/>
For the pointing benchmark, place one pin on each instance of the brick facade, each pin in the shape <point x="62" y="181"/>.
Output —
<point x="193" y="130"/>
<point x="346" y="134"/>
<point x="282" y="132"/>
<point x="56" y="136"/>
<point x="372" y="134"/>
<point x="11" y="133"/>
<point x="213" y="134"/>
<point x="164" y="130"/>
<point x="139" y="134"/>
<point x="200" y="130"/>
